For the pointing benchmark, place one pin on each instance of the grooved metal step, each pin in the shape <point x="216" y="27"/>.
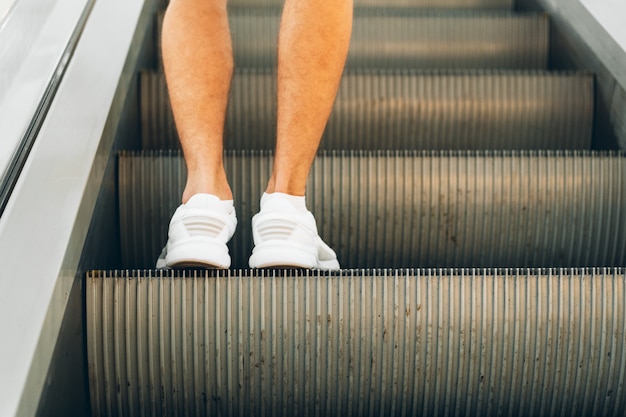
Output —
<point x="405" y="110"/>
<point x="379" y="343"/>
<point x="411" y="39"/>
<point x="406" y="209"/>
<point x="425" y="4"/>
<point x="430" y="41"/>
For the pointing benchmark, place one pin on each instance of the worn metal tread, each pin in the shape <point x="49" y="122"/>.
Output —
<point x="406" y="209"/>
<point x="409" y="39"/>
<point x="362" y="342"/>
<point x="409" y="109"/>
<point x="422" y="4"/>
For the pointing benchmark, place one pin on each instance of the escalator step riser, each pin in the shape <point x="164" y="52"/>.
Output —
<point x="425" y="4"/>
<point x="405" y="110"/>
<point x="491" y="41"/>
<point x="383" y="343"/>
<point x="404" y="209"/>
<point x="477" y="41"/>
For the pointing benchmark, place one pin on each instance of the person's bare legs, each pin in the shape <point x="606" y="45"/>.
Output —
<point x="312" y="49"/>
<point x="198" y="62"/>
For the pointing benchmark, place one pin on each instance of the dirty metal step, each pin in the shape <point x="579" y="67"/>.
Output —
<point x="409" y="39"/>
<point x="405" y="110"/>
<point x="413" y="40"/>
<point x="424" y="4"/>
<point x="360" y="342"/>
<point x="421" y="4"/>
<point x="407" y="209"/>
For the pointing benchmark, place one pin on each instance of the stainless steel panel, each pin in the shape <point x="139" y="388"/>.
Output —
<point x="618" y="114"/>
<point x="406" y="209"/>
<point x="590" y="34"/>
<point x="37" y="38"/>
<point x="405" y="110"/>
<point x="45" y="224"/>
<point x="379" y="342"/>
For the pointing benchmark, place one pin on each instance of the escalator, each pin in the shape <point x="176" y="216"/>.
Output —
<point x="476" y="211"/>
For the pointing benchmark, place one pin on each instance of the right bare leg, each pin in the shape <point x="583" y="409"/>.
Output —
<point x="312" y="49"/>
<point x="198" y="62"/>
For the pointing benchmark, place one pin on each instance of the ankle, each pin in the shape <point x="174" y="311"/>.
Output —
<point x="207" y="185"/>
<point x="293" y="188"/>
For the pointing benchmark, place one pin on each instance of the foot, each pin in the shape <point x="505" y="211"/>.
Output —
<point x="285" y="235"/>
<point x="198" y="233"/>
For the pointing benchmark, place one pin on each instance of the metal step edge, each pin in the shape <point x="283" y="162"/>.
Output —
<point x="410" y="109"/>
<point x="422" y="4"/>
<point x="482" y="40"/>
<point x="391" y="11"/>
<point x="406" y="209"/>
<point x="384" y="342"/>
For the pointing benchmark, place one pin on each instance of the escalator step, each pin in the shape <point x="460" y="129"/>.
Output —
<point x="379" y="343"/>
<point x="424" y="4"/>
<point x="405" y="110"/>
<point x="414" y="41"/>
<point x="411" y="39"/>
<point x="406" y="209"/>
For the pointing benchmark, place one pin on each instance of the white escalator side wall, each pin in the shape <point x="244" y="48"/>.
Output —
<point x="44" y="226"/>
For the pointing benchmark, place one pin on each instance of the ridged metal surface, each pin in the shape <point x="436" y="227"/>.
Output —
<point x="405" y="110"/>
<point x="425" y="4"/>
<point x="375" y="343"/>
<point x="407" y="209"/>
<point x="384" y="38"/>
